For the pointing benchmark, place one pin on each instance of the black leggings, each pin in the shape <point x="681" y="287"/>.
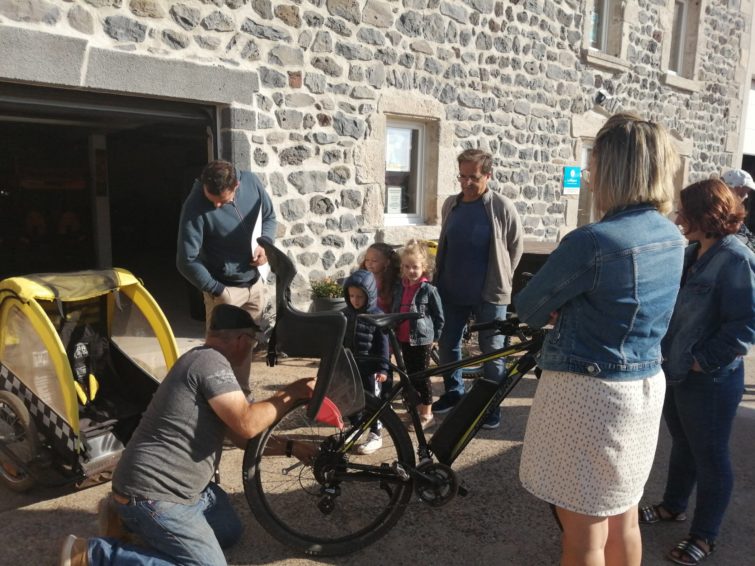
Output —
<point x="416" y="359"/>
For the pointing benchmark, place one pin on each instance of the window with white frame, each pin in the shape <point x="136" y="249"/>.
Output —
<point x="586" y="212"/>
<point x="605" y="27"/>
<point x="679" y="55"/>
<point x="404" y="197"/>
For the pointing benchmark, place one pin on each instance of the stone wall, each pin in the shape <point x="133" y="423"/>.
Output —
<point x="316" y="78"/>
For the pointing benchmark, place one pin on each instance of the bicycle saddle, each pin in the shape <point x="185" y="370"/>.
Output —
<point x="389" y="320"/>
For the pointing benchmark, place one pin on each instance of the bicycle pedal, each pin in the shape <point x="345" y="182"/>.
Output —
<point x="463" y="491"/>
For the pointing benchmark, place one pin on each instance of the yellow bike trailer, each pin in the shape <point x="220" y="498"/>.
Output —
<point x="81" y="355"/>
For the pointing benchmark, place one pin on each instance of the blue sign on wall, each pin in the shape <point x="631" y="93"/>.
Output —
<point x="572" y="176"/>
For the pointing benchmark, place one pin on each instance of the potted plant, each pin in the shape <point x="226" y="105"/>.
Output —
<point x="327" y="294"/>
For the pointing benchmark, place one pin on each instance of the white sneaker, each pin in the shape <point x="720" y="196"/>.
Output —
<point x="373" y="443"/>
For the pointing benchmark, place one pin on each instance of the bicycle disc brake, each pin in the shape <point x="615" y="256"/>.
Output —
<point x="436" y="484"/>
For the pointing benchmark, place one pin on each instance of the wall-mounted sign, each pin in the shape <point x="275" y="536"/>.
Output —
<point x="393" y="202"/>
<point x="571" y="181"/>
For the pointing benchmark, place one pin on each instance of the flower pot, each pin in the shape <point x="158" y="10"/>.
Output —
<point x="321" y="304"/>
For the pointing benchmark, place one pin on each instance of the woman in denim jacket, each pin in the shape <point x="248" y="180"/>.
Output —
<point x="712" y="328"/>
<point x="609" y="289"/>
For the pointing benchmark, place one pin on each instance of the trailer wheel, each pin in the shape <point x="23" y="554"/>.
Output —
<point x="18" y="434"/>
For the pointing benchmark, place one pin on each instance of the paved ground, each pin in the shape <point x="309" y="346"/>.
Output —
<point x="498" y="523"/>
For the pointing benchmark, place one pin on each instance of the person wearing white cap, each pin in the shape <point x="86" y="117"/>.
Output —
<point x="742" y="185"/>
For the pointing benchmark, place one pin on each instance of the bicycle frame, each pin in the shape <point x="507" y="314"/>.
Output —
<point x="330" y="498"/>
<point x="404" y="386"/>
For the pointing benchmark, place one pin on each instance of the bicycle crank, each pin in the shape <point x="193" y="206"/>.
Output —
<point x="435" y="484"/>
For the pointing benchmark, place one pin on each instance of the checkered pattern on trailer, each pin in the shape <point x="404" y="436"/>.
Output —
<point x="57" y="431"/>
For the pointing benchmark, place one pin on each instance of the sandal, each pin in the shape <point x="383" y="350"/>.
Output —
<point x="651" y="514"/>
<point x="690" y="552"/>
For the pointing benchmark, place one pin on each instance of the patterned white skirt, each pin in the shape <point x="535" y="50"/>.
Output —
<point x="590" y="442"/>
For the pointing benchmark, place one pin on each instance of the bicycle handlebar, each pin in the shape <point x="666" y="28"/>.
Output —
<point x="509" y="327"/>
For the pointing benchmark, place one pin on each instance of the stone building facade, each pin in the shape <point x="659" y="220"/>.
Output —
<point x="305" y="91"/>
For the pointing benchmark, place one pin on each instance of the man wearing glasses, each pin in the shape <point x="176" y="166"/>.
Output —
<point x="216" y="252"/>
<point x="481" y="242"/>
<point x="164" y="508"/>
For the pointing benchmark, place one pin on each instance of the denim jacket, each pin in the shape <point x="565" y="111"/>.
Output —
<point x="613" y="284"/>
<point x="426" y="301"/>
<point x="714" y="317"/>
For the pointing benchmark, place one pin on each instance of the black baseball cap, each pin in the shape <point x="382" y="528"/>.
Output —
<point x="228" y="317"/>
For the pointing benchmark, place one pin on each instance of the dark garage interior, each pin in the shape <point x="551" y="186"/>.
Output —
<point x="94" y="181"/>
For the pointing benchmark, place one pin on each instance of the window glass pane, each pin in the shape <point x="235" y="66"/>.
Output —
<point x="401" y="170"/>
<point x="24" y="353"/>
<point x="598" y="19"/>
<point x="134" y="335"/>
<point x="677" y="37"/>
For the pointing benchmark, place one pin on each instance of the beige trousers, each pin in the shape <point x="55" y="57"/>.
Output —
<point x="252" y="300"/>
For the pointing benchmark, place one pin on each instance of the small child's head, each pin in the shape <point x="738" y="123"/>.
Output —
<point x="380" y="258"/>
<point x="416" y="261"/>
<point x="357" y="297"/>
<point x="360" y="290"/>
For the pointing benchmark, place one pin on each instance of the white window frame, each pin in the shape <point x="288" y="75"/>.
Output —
<point x="678" y="37"/>
<point x="417" y="216"/>
<point x="679" y="58"/>
<point x="601" y="39"/>
<point x="610" y="48"/>
<point x="586" y="213"/>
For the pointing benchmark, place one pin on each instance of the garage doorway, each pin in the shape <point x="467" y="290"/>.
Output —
<point x="94" y="181"/>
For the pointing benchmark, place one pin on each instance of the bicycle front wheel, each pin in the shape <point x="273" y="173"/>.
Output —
<point x="310" y="513"/>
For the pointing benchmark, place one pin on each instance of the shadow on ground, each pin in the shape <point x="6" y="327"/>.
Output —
<point x="497" y="523"/>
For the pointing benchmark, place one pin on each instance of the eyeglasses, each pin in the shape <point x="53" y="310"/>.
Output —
<point x="473" y="178"/>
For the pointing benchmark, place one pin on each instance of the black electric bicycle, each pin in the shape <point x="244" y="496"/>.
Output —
<point x="303" y="478"/>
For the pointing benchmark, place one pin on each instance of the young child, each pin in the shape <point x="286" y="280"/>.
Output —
<point x="417" y="336"/>
<point x="360" y="292"/>
<point x="383" y="262"/>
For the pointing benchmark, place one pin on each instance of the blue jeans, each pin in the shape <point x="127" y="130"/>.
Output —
<point x="449" y="345"/>
<point x="699" y="412"/>
<point x="173" y="533"/>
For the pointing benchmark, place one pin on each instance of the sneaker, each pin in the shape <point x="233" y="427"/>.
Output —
<point x="446" y="402"/>
<point x="74" y="551"/>
<point x="492" y="419"/>
<point x="373" y="443"/>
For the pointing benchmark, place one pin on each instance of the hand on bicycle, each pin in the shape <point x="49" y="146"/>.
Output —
<point x="301" y="388"/>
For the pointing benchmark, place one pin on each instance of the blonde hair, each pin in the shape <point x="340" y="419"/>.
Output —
<point x="634" y="162"/>
<point x="418" y="248"/>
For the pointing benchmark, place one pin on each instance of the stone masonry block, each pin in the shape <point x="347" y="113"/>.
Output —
<point x="131" y="73"/>
<point x="34" y="56"/>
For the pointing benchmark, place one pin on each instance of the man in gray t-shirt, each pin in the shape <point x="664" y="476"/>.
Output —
<point x="162" y="489"/>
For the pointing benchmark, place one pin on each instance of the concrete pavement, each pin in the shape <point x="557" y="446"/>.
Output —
<point x="497" y="523"/>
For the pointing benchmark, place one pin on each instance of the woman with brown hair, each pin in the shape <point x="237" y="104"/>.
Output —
<point x="712" y="327"/>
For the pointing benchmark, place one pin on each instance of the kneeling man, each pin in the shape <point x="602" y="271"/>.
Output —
<point x="162" y="488"/>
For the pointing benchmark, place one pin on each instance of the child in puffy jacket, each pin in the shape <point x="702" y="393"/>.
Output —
<point x="416" y="337"/>
<point x="363" y="338"/>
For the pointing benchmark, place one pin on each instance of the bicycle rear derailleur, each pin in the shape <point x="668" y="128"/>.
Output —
<point x="436" y="484"/>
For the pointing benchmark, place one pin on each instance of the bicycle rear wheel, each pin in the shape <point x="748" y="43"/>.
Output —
<point x="315" y="516"/>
